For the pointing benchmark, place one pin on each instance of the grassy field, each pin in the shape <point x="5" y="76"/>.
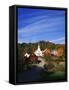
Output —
<point x="52" y="75"/>
<point x="54" y="71"/>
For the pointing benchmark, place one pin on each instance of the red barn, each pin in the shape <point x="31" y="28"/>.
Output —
<point x="33" y="58"/>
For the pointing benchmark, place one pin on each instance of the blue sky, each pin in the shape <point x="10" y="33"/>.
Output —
<point x="38" y="24"/>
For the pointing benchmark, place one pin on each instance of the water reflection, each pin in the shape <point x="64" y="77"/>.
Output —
<point x="32" y="74"/>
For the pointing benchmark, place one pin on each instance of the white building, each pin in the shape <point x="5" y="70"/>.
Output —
<point x="27" y="55"/>
<point x="38" y="52"/>
<point x="54" y="52"/>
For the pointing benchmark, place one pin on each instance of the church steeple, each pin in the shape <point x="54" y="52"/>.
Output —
<point x="38" y="52"/>
<point x="39" y="47"/>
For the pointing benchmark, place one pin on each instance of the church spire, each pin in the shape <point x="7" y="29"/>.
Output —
<point x="39" y="47"/>
<point x="38" y="52"/>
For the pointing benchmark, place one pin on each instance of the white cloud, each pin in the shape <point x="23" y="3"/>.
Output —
<point x="59" y="39"/>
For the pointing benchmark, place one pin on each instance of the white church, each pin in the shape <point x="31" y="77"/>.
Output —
<point x="38" y="52"/>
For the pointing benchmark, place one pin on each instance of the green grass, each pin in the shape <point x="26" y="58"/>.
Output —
<point x="57" y="75"/>
<point x="52" y="75"/>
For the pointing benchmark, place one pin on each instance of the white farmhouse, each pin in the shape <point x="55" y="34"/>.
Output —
<point x="54" y="52"/>
<point x="27" y="55"/>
